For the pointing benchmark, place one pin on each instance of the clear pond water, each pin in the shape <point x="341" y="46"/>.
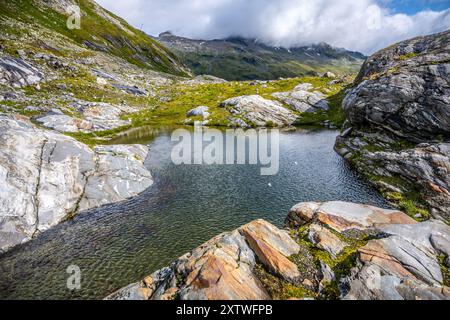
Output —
<point x="121" y="243"/>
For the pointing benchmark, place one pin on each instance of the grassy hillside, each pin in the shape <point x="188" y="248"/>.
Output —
<point x="100" y="30"/>
<point x="169" y="105"/>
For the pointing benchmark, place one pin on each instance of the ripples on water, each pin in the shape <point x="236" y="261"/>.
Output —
<point x="119" y="244"/>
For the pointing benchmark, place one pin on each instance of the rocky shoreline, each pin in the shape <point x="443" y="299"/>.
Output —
<point x="398" y="127"/>
<point x="333" y="250"/>
<point x="47" y="177"/>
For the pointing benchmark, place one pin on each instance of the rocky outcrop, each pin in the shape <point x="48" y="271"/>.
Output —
<point x="257" y="111"/>
<point x="46" y="177"/>
<point x="302" y="100"/>
<point x="130" y="89"/>
<point x="420" y="171"/>
<point x="398" y="127"/>
<point x="405" y="89"/>
<point x="332" y="250"/>
<point x="220" y="269"/>
<point x="95" y="116"/>
<point x="403" y="265"/>
<point x="344" y="216"/>
<point x="399" y="260"/>
<point x="329" y="74"/>
<point x="201" y="111"/>
<point x="17" y="73"/>
<point x="64" y="123"/>
<point x="204" y="79"/>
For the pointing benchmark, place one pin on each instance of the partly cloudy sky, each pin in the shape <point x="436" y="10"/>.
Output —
<point x="360" y="25"/>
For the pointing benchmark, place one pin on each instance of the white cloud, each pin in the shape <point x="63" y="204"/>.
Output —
<point x="361" y="25"/>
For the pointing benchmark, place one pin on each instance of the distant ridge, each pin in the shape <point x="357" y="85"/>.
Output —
<point x="238" y="58"/>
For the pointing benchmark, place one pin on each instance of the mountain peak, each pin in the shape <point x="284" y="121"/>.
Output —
<point x="166" y="34"/>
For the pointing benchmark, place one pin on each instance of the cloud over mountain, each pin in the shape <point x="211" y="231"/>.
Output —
<point x="363" y="25"/>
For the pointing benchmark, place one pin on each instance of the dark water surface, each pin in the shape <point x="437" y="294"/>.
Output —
<point x="118" y="244"/>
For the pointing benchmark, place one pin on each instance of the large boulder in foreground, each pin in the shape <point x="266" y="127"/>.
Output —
<point x="398" y="128"/>
<point x="333" y="250"/>
<point x="398" y="259"/>
<point x="222" y="268"/>
<point x="46" y="177"/>
<point x="254" y="110"/>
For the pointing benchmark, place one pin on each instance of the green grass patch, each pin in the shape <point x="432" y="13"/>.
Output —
<point x="179" y="99"/>
<point x="279" y="289"/>
<point x="407" y="56"/>
<point x="335" y="114"/>
<point x="409" y="200"/>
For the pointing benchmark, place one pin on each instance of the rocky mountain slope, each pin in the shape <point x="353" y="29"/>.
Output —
<point x="248" y="59"/>
<point x="331" y="250"/>
<point x="36" y="22"/>
<point x="398" y="129"/>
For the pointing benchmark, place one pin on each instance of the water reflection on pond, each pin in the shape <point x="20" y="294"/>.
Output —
<point x="118" y="244"/>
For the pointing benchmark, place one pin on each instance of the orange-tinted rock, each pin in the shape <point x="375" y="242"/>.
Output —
<point x="343" y="216"/>
<point x="302" y="213"/>
<point x="268" y="249"/>
<point x="404" y="264"/>
<point x="375" y="253"/>
<point x="326" y="240"/>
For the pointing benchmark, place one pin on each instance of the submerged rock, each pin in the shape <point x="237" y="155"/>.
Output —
<point x="259" y="111"/>
<point x="46" y="177"/>
<point x="391" y="256"/>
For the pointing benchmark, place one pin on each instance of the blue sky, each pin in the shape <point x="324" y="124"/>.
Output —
<point x="414" y="6"/>
<point x="360" y="25"/>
